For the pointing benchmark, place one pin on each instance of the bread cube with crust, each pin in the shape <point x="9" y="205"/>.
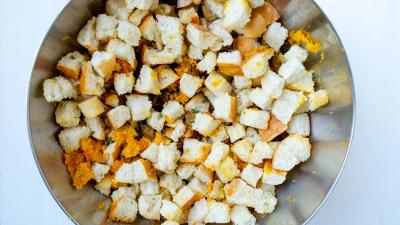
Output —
<point x="149" y="188"/>
<point x="242" y="149"/>
<point x="170" y="211"/>
<point x="123" y="210"/>
<point x="252" y="135"/>
<point x="123" y="83"/>
<point x="260" y="98"/>
<point x="245" y="45"/>
<point x="138" y="16"/>
<point x="151" y="153"/>
<point x="299" y="124"/>
<point x="243" y="100"/>
<point x="251" y="174"/>
<point x="153" y="56"/>
<point x="217" y="84"/>
<point x="236" y="131"/>
<point x="175" y="130"/>
<point x="129" y="33"/>
<point x="149" y="206"/>
<point x="122" y="51"/>
<point x="90" y="83"/>
<point x="67" y="114"/>
<point x="304" y="83"/>
<point x="96" y="126"/>
<point x="273" y="176"/>
<point x="104" y="186"/>
<point x="199" y="36"/>
<point x="217" y="191"/>
<point x="111" y="100"/>
<point x="70" y="138"/>
<point x="70" y="64"/>
<point x="106" y="27"/>
<point x="272" y="84"/>
<point x="287" y="104"/>
<point x="296" y="52"/>
<point x="236" y="14"/>
<point x="171" y="30"/>
<point x="204" y="174"/>
<point x="291" y="151"/>
<point x="189" y="84"/>
<point x="198" y="212"/>
<point x="168" y="156"/>
<point x="111" y="153"/>
<point x="100" y="170"/>
<point x="87" y="36"/>
<point x="138" y="171"/>
<point x="140" y="106"/>
<point x="256" y="64"/>
<point x="150" y="31"/>
<point x="194" y="150"/>
<point x="185" y="170"/>
<point x="156" y="121"/>
<point x="91" y="107"/>
<point x="198" y="103"/>
<point x="140" y="4"/>
<point x="227" y="170"/>
<point x="130" y="192"/>
<point x="292" y="70"/>
<point x="195" y="52"/>
<point x="147" y="81"/>
<point x="185" y="197"/>
<point x="183" y="3"/>
<point x="261" y="151"/>
<point x="58" y="88"/>
<point x="275" y="36"/>
<point x="218" y="212"/>
<point x="118" y="8"/>
<point x="218" y="152"/>
<point x="171" y="182"/>
<point x="118" y="116"/>
<point x="216" y="7"/>
<point x="230" y="63"/>
<point x="208" y="63"/>
<point x="225" y="108"/>
<point x="172" y="111"/>
<point x="219" y="134"/>
<point x="166" y="76"/>
<point x="241" y="215"/>
<point x="188" y="15"/>
<point x="255" y="118"/>
<point x="317" y="99"/>
<point x="275" y="128"/>
<point x="241" y="82"/>
<point x="205" y="124"/>
<point x="217" y="28"/>
<point x="196" y="185"/>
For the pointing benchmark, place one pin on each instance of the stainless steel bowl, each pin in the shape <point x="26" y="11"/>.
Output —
<point x="305" y="189"/>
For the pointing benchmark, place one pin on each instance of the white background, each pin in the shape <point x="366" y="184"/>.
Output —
<point x="368" y="191"/>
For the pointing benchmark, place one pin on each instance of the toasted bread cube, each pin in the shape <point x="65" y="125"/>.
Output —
<point x="198" y="212"/>
<point x="256" y="65"/>
<point x="243" y="100"/>
<point x="196" y="185"/>
<point x="195" y="52"/>
<point x="217" y="191"/>
<point x="90" y="83"/>
<point x="70" y="64"/>
<point x="100" y="170"/>
<point x="227" y="170"/>
<point x="123" y="83"/>
<point x="67" y="114"/>
<point x="254" y="118"/>
<point x="208" y="63"/>
<point x="275" y="36"/>
<point x="296" y="52"/>
<point x="103" y="63"/>
<point x="171" y="182"/>
<point x="287" y="104"/>
<point x="230" y="63"/>
<point x="205" y="124"/>
<point x="275" y="128"/>
<point x="111" y="100"/>
<point x="216" y="7"/>
<point x="147" y="81"/>
<point x="272" y="84"/>
<point x="150" y="31"/>
<point x="216" y="27"/>
<point x="225" y="108"/>
<point x="176" y="130"/>
<point x="104" y="186"/>
<point x="70" y="138"/>
<point x="171" y="31"/>
<point x="172" y="111"/>
<point x="236" y="14"/>
<point x="252" y="135"/>
<point x="168" y="156"/>
<point x="156" y="121"/>
<point x="240" y="193"/>
<point x="136" y="172"/>
<point x="304" y="83"/>
<point x="87" y="36"/>
<point x="245" y="44"/>
<point x="185" y="197"/>
<point x="118" y="8"/>
<point x="299" y="124"/>
<point x="242" y="149"/>
<point x="118" y="116"/>
<point x="194" y="150"/>
<point x="218" y="212"/>
<point x="140" y="106"/>
<point x="251" y="174"/>
<point x="198" y="103"/>
<point x="260" y="98"/>
<point x="127" y="192"/>
<point x="129" y="33"/>
<point x="106" y="27"/>
<point x="149" y="188"/>
<point x="200" y="36"/>
<point x="153" y="56"/>
<point x="96" y="127"/>
<point x="317" y="99"/>
<point x="186" y="170"/>
<point x="111" y="153"/>
<point x="189" y="84"/>
<point x="91" y="107"/>
<point x="217" y="84"/>
<point x="58" y="88"/>
<point x="235" y="131"/>
<point x="170" y="211"/>
<point x="273" y="176"/>
<point x="188" y="15"/>
<point x="261" y="151"/>
<point x="292" y="70"/>
<point x="166" y="76"/>
<point x="204" y="174"/>
<point x="219" y="134"/>
<point x="122" y="51"/>
<point x="218" y="152"/>
<point x="260" y="19"/>
<point x="140" y="4"/>
<point x="149" y="206"/>
<point x="209" y="16"/>
<point x="241" y="82"/>
<point x="241" y="215"/>
<point x="138" y="16"/>
<point x="123" y="210"/>
<point x="291" y="151"/>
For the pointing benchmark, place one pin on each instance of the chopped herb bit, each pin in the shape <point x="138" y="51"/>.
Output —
<point x="109" y="141"/>
<point x="194" y="110"/>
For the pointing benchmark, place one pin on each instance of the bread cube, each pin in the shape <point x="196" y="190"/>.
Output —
<point x="123" y="210"/>
<point x="230" y="63"/>
<point x="292" y="70"/>
<point x="166" y="76"/>
<point x="242" y="149"/>
<point x="127" y="192"/>
<point x="317" y="99"/>
<point x="194" y="150"/>
<point x="91" y="107"/>
<point x="185" y="197"/>
<point x="261" y="18"/>
<point x="218" y="212"/>
<point x="185" y="170"/>
<point x="138" y="171"/>
<point x="129" y="33"/>
<point x="273" y="176"/>
<point x="70" y="64"/>
<point x="153" y="56"/>
<point x="150" y="31"/>
<point x="219" y="134"/>
<point x="151" y="153"/>
<point x="261" y="151"/>
<point x="275" y="128"/>
<point x="251" y="174"/>
<point x="140" y="4"/>
<point x="260" y="98"/>
<point x="256" y="64"/>
<point x="118" y="8"/>
<point x="104" y="186"/>
<point x="123" y="83"/>
<point x="225" y="108"/>
<point x="254" y="118"/>
<point x="227" y="170"/>
<point x="52" y="90"/>
<point x="170" y="211"/>
<point x="304" y="83"/>
<point x="275" y="36"/>
<point x="236" y="14"/>
<point x="168" y="156"/>
<point x="111" y="100"/>
<point x="165" y="9"/>
<point x="243" y="100"/>
<point x="111" y="153"/>
<point x="200" y="36"/>
<point x="204" y="174"/>
<point x="149" y="188"/>
<point x="240" y="193"/>
<point x="171" y="182"/>
<point x="217" y="84"/>
<point x="236" y="131"/>
<point x="189" y="84"/>
<point x="172" y="111"/>
<point x="188" y="15"/>
<point x="296" y="52"/>
<point x="272" y="84"/>
<point x="245" y="45"/>
<point x="299" y="124"/>
<point x="208" y="63"/>
<point x="198" y="212"/>
<point x="118" y="116"/>
<point x="96" y="127"/>
<point x="87" y="36"/>
<point x="241" y="215"/>
<point x="138" y="16"/>
<point x="196" y="185"/>
<point x="287" y="104"/>
<point x="171" y="31"/>
<point x="122" y="51"/>
<point x="90" y="83"/>
<point x="218" y="152"/>
<point x="252" y="135"/>
<point x="147" y="81"/>
<point x="156" y="121"/>
<point x="176" y="130"/>
<point x="205" y="124"/>
<point x="149" y="206"/>
<point x="198" y="103"/>
<point x="140" y="106"/>
<point x="195" y="52"/>
<point x="225" y="37"/>
<point x="215" y="7"/>
<point x="216" y="192"/>
<point x="241" y="82"/>
<point x="291" y="151"/>
<point x="106" y="27"/>
<point x="99" y="170"/>
<point x="67" y="114"/>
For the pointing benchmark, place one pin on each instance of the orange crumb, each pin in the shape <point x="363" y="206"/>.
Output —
<point x="72" y="161"/>
<point x="144" y="143"/>
<point x="304" y="37"/>
<point x="93" y="150"/>
<point x="187" y="66"/>
<point x="161" y="139"/>
<point x="131" y="148"/>
<point x="83" y="174"/>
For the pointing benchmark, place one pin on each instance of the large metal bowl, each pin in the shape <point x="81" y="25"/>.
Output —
<point x="305" y="189"/>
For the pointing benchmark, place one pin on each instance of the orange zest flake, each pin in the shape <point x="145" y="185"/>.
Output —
<point x="83" y="174"/>
<point x="304" y="37"/>
<point x="93" y="150"/>
<point x="101" y="205"/>
<point x="179" y="97"/>
<point x="123" y="133"/>
<point x="72" y="161"/>
<point x="131" y="148"/>
<point x="160" y="139"/>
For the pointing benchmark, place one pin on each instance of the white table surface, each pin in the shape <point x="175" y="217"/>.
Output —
<point x="368" y="191"/>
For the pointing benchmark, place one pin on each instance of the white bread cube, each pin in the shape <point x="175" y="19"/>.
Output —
<point x="185" y="197"/>
<point x="57" y="89"/>
<point x="236" y="14"/>
<point x="299" y="124"/>
<point x="149" y="206"/>
<point x="303" y="108"/>
<point x="205" y="124"/>
<point x="208" y="63"/>
<point x="204" y="174"/>
<point x="235" y="131"/>
<point x="70" y="64"/>
<point x="252" y="135"/>
<point x="251" y="174"/>
<point x="147" y="81"/>
<point x="230" y="63"/>
<point x="137" y="16"/>
<point x="199" y="36"/>
<point x="171" y="182"/>
<point x="87" y="36"/>
<point x="123" y="83"/>
<point x="241" y="82"/>
<point x="67" y="114"/>
<point x="111" y="153"/>
<point x="188" y="15"/>
<point x="118" y="116"/>
<point x="176" y="130"/>
<point x="275" y="36"/>
<point x="90" y="83"/>
<point x="128" y="192"/>
<point x="172" y="111"/>
<point x="96" y="126"/>
<point x="317" y="99"/>
<point x="91" y="107"/>
<point x="217" y="191"/>
<point x="291" y="151"/>
<point x="170" y="211"/>
<point x="156" y="121"/>
<point x="149" y="188"/>
<point x="261" y="151"/>
<point x="140" y="106"/>
<point x="166" y="76"/>
<point x="99" y="171"/>
<point x="254" y="118"/>
<point x="129" y="33"/>
<point x="243" y="100"/>
<point x="216" y="27"/>
<point x="267" y="187"/>
<point x="218" y="212"/>
<point x="241" y="215"/>
<point x="151" y="153"/>
<point x="287" y="104"/>
<point x="70" y="138"/>
<point x="195" y="151"/>
<point x="199" y="103"/>
<point x="104" y="186"/>
<point x="138" y="171"/>
<point x="118" y="8"/>
<point x="219" y="134"/>
<point x="292" y="70"/>
<point x="185" y="170"/>
<point x="106" y="27"/>
<point x="103" y="63"/>
<point x="272" y="84"/>
<point x="189" y="84"/>
<point x="242" y="149"/>
<point x="296" y="52"/>
<point x="273" y="176"/>
<point x="218" y="152"/>
<point x="256" y="65"/>
<point x="153" y="56"/>
<point x="198" y="212"/>
<point x="260" y="98"/>
<point x="195" y="52"/>
<point x="122" y="51"/>
<point x="171" y="31"/>
<point x="225" y="108"/>
<point x="168" y="156"/>
<point x="140" y="4"/>
<point x="196" y="185"/>
<point x="150" y="31"/>
<point x="217" y="84"/>
<point x="256" y="3"/>
<point x="304" y="83"/>
<point x="215" y="6"/>
<point x="227" y="170"/>
<point x="123" y="210"/>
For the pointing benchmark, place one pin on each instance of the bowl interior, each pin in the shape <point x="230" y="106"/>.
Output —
<point x="306" y="187"/>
